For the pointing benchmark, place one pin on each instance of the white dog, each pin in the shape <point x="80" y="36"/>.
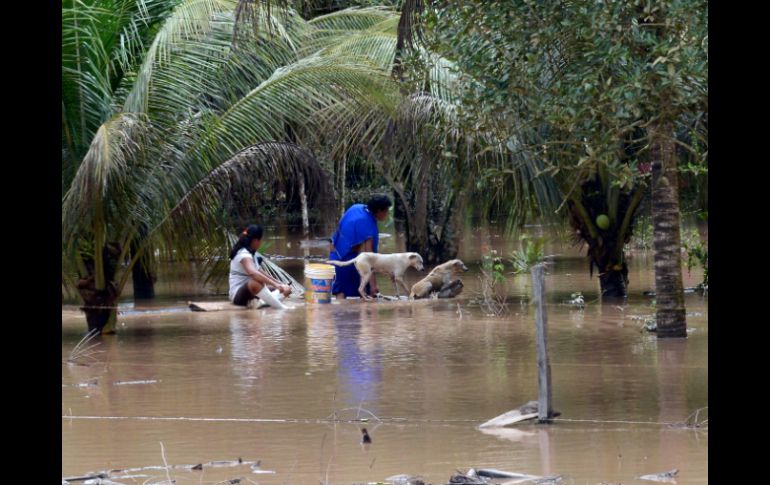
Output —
<point x="394" y="265"/>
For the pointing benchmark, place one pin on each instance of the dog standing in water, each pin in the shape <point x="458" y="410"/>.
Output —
<point x="394" y="265"/>
<point x="439" y="279"/>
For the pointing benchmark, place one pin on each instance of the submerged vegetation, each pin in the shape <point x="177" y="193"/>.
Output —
<point x="532" y="252"/>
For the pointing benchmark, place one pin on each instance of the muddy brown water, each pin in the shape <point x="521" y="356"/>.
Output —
<point x="260" y="385"/>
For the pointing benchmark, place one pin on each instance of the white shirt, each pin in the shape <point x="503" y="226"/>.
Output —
<point x="238" y="275"/>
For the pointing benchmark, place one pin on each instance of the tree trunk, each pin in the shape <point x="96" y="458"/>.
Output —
<point x="303" y="201"/>
<point x="602" y="250"/>
<point x="434" y="233"/>
<point x="613" y="283"/>
<point x="99" y="305"/>
<point x="670" y="313"/>
<point x="613" y="274"/>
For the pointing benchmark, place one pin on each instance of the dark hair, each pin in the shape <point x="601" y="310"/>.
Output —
<point x="254" y="231"/>
<point x="378" y="203"/>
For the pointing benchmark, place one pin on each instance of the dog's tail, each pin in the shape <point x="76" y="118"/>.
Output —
<point x="341" y="263"/>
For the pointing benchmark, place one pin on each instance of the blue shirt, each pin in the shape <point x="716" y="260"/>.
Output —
<point x="356" y="226"/>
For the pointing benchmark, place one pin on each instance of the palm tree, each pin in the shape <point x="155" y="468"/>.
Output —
<point x="172" y="122"/>
<point x="413" y="139"/>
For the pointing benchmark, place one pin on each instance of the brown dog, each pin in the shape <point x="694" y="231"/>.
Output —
<point x="438" y="279"/>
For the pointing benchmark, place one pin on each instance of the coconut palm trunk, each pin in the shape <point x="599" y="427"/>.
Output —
<point x="99" y="307"/>
<point x="670" y="313"/>
<point x="100" y="304"/>
<point x="605" y="245"/>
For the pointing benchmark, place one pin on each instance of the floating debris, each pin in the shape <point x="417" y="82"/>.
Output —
<point x="665" y="477"/>
<point x="89" y="476"/>
<point x="465" y="479"/>
<point x="220" y="463"/>
<point x="89" y="383"/>
<point x="650" y="324"/>
<point x="492" y="473"/>
<point x="131" y="383"/>
<point x="405" y="480"/>
<point x="530" y="410"/>
<point x="492" y="477"/>
<point x="551" y="480"/>
<point x="577" y="300"/>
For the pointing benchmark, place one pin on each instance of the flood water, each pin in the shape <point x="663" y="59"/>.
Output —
<point x="262" y="384"/>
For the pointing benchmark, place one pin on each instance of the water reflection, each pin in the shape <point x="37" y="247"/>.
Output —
<point x="440" y="372"/>
<point x="359" y="354"/>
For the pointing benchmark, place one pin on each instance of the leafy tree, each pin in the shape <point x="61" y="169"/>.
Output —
<point x="603" y="94"/>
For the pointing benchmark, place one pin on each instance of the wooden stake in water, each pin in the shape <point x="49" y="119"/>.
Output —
<point x="303" y="202"/>
<point x="545" y="409"/>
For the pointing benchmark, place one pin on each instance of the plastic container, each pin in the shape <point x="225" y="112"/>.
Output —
<point x="318" y="281"/>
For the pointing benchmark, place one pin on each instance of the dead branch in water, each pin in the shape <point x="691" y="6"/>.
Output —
<point x="692" y="421"/>
<point x="84" y="351"/>
<point x="163" y="455"/>
<point x="334" y="416"/>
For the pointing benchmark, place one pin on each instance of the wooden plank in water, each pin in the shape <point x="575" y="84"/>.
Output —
<point x="213" y="306"/>
<point x="216" y="306"/>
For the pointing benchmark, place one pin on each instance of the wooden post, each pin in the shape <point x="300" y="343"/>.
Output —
<point x="545" y="410"/>
<point x="303" y="201"/>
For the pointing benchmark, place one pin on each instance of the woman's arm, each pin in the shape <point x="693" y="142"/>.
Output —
<point x="256" y="274"/>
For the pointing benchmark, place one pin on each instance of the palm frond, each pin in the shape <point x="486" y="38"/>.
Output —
<point x="190" y="20"/>
<point x="299" y="94"/>
<point x="193" y="225"/>
<point x="353" y="19"/>
<point x="104" y="169"/>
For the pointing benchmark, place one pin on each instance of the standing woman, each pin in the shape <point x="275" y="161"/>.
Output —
<point x="246" y="280"/>
<point x="357" y="233"/>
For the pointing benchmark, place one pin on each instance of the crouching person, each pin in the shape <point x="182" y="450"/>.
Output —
<point x="246" y="280"/>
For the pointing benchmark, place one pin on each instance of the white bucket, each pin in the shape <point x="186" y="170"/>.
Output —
<point x="318" y="281"/>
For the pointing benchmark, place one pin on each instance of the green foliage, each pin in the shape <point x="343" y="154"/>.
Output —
<point x="697" y="254"/>
<point x="530" y="253"/>
<point x="493" y="298"/>
<point x="643" y="233"/>
<point x="492" y="265"/>
<point x="577" y="85"/>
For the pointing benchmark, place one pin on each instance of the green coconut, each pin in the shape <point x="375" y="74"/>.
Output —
<point x="603" y="222"/>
